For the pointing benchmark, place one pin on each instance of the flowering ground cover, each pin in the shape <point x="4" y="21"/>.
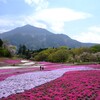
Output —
<point x="19" y="83"/>
<point x="6" y="62"/>
<point x="85" y="85"/>
<point x="52" y="66"/>
<point x="7" y="71"/>
<point x="11" y="61"/>
<point x="96" y="66"/>
<point x="15" y="62"/>
<point x="29" y="83"/>
<point x="11" y="72"/>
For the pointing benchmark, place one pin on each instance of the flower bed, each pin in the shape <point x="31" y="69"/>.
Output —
<point x="85" y="85"/>
<point x="97" y="66"/>
<point x="10" y="61"/>
<point x="71" y="86"/>
<point x="11" y="72"/>
<point x="53" y="66"/>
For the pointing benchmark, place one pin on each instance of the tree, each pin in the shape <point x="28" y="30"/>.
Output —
<point x="24" y="49"/>
<point x="95" y="48"/>
<point x="86" y="57"/>
<point x="12" y="49"/>
<point x="42" y="56"/>
<point x="97" y="56"/>
<point x="4" y="53"/>
<point x="20" y="49"/>
<point x="7" y="50"/>
<point x="59" y="56"/>
<point x="28" y="54"/>
<point x="1" y="43"/>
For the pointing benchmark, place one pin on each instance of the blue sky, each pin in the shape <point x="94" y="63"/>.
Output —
<point x="78" y="19"/>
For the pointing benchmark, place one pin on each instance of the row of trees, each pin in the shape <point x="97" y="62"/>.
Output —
<point x="24" y="52"/>
<point x="65" y="54"/>
<point x="61" y="54"/>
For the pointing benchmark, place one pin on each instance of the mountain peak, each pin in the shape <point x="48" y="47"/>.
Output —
<point x="36" y="38"/>
<point x="27" y="25"/>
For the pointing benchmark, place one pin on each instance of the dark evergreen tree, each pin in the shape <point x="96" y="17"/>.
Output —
<point x="24" y="50"/>
<point x="20" y="49"/>
<point x="1" y="43"/>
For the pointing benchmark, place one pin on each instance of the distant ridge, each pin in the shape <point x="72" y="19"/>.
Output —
<point x="36" y="38"/>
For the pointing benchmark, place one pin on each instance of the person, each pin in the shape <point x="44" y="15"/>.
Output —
<point x="40" y="68"/>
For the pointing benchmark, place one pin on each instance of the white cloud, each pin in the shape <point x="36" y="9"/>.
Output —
<point x="56" y="17"/>
<point x="53" y="18"/>
<point x="41" y="25"/>
<point x="60" y="14"/>
<point x="3" y="30"/>
<point x="95" y="29"/>
<point x="30" y="20"/>
<point x="29" y="2"/>
<point x="39" y="4"/>
<point x="8" y="23"/>
<point x="57" y="27"/>
<point x="92" y="35"/>
<point x="5" y="22"/>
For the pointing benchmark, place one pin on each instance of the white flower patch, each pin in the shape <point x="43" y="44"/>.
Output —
<point x="28" y="63"/>
<point x="24" y="61"/>
<point x="19" y="83"/>
<point x="9" y="67"/>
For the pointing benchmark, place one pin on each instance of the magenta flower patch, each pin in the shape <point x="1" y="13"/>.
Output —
<point x="77" y="85"/>
<point x="52" y="66"/>
<point x="10" y="61"/>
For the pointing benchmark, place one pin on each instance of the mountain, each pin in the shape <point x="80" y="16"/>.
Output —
<point x="36" y="38"/>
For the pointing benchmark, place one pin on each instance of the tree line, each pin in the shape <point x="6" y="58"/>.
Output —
<point x="69" y="55"/>
<point x="60" y="54"/>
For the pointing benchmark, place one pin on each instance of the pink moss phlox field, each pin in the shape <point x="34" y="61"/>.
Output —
<point x="85" y="85"/>
<point x="97" y="66"/>
<point x="10" y="72"/>
<point x="52" y="66"/>
<point x="10" y="61"/>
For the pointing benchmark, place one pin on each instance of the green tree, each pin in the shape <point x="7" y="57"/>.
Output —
<point x="4" y="53"/>
<point x="24" y="49"/>
<point x="43" y="55"/>
<point x="59" y="56"/>
<point x="95" y="48"/>
<point x="20" y="49"/>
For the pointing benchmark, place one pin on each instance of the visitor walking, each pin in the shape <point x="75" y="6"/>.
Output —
<point x="41" y="68"/>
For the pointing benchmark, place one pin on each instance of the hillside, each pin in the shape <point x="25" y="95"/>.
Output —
<point x="35" y="38"/>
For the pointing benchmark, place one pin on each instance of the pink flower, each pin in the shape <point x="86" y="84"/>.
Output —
<point x="71" y="86"/>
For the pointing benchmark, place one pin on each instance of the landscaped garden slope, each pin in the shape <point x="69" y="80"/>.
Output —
<point x="77" y="85"/>
<point x="55" y="82"/>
